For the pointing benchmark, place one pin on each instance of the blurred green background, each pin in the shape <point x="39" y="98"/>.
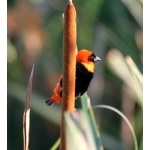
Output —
<point x="35" y="35"/>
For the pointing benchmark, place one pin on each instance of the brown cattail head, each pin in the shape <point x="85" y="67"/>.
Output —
<point x="69" y="58"/>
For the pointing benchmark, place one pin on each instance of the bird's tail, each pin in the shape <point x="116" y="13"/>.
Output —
<point x="49" y="102"/>
<point x="53" y="99"/>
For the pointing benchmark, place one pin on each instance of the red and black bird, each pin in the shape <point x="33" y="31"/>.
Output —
<point x="85" y="64"/>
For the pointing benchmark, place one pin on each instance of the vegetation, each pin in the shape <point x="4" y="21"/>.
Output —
<point x="113" y="30"/>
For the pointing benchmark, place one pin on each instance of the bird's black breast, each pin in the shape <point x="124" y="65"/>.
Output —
<point x="83" y="79"/>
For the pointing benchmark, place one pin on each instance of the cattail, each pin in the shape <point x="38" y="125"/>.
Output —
<point x="69" y="66"/>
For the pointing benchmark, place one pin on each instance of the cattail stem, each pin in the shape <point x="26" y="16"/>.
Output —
<point x="70" y="1"/>
<point x="69" y="66"/>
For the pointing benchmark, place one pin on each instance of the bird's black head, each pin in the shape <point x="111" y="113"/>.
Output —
<point x="93" y="58"/>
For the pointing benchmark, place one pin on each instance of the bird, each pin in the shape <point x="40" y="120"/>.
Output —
<point x="85" y="65"/>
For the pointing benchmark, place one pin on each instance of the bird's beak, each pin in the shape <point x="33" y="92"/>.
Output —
<point x="96" y="59"/>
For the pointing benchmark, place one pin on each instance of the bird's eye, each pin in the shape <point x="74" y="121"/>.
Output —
<point x="91" y="58"/>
